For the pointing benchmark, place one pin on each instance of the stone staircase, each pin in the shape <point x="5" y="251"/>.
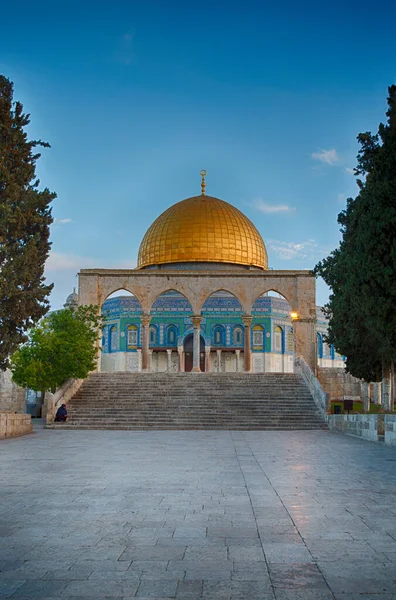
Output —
<point x="139" y="401"/>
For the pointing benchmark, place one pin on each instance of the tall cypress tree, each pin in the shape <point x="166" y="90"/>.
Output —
<point x="362" y="272"/>
<point x="25" y="217"/>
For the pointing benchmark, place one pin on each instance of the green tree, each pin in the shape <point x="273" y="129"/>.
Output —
<point x="25" y="217"/>
<point x="362" y="271"/>
<point x="62" y="346"/>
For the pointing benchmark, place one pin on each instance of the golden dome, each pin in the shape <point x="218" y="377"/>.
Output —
<point x="202" y="229"/>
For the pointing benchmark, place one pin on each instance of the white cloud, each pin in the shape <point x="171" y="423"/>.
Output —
<point x="329" y="157"/>
<point x="58" y="261"/>
<point x="265" y="208"/>
<point x="64" y="262"/>
<point x="341" y="197"/>
<point x="349" y="171"/>
<point x="308" y="250"/>
<point x="63" y="221"/>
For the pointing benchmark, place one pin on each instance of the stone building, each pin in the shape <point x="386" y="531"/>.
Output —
<point x="203" y="299"/>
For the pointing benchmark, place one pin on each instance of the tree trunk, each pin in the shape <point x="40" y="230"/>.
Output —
<point x="386" y="387"/>
<point x="366" y="397"/>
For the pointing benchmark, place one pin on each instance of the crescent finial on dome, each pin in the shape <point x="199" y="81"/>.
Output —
<point x="203" y="182"/>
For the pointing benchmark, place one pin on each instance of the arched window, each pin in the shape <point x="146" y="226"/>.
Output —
<point x="326" y="349"/>
<point x="238" y="336"/>
<point x="113" y="339"/>
<point x="132" y="336"/>
<point x="258" y="336"/>
<point x="171" y="335"/>
<point x="290" y="341"/>
<point x="320" y="345"/>
<point x="152" y="335"/>
<point x="218" y="335"/>
<point x="278" y="334"/>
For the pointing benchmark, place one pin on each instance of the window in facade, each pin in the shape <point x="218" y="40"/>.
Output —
<point x="278" y="339"/>
<point x="113" y="339"/>
<point x="152" y="335"/>
<point x="258" y="336"/>
<point x="218" y="335"/>
<point x="290" y="341"/>
<point x="132" y="334"/>
<point x="237" y="336"/>
<point x="320" y="346"/>
<point x="172" y="335"/>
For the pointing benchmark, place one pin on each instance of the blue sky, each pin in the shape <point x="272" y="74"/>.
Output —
<point x="135" y="97"/>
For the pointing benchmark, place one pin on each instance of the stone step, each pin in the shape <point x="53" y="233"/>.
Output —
<point x="141" y="401"/>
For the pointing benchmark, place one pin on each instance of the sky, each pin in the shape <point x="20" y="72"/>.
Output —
<point x="136" y="97"/>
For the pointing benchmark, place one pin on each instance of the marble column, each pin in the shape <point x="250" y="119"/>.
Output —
<point x="169" y="365"/>
<point x="305" y="341"/>
<point x="237" y="360"/>
<point x="145" y="320"/>
<point x="207" y="359"/>
<point x="196" y="321"/>
<point x="218" y="361"/>
<point x="150" y="361"/>
<point x="139" y="354"/>
<point x="180" y="351"/>
<point x="247" y="323"/>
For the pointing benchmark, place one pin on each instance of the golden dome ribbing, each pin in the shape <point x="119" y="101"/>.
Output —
<point x="202" y="229"/>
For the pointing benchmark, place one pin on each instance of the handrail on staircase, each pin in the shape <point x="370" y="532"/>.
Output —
<point x="62" y="396"/>
<point x="320" y="397"/>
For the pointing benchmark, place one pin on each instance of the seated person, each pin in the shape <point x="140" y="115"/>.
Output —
<point x="61" y="413"/>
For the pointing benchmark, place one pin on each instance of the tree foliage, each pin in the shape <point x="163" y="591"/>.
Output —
<point x="25" y="217"/>
<point x="362" y="271"/>
<point x="62" y="346"/>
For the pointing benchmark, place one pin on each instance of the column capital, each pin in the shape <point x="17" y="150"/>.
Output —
<point x="145" y="319"/>
<point x="169" y="351"/>
<point x="247" y="320"/>
<point x="196" y="321"/>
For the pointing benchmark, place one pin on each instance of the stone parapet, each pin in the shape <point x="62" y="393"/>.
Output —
<point x="376" y="427"/>
<point x="62" y="396"/>
<point x="12" y="424"/>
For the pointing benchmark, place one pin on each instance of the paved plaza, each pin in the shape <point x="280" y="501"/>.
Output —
<point x="197" y="514"/>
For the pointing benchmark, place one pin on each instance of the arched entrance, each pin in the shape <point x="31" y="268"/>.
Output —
<point x="188" y="353"/>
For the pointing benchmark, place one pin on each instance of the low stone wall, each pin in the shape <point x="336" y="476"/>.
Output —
<point x="376" y="428"/>
<point x="14" y="424"/>
<point x="337" y="383"/>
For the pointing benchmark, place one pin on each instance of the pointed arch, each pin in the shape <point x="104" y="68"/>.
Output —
<point x="171" y="300"/>
<point x="222" y="301"/>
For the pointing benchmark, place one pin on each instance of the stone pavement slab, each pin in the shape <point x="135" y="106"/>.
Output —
<point x="297" y="515"/>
